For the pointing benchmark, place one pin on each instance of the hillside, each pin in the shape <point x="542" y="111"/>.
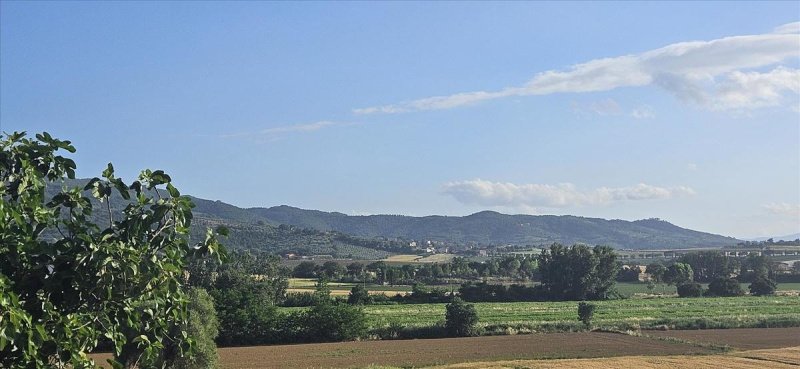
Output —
<point x="493" y="228"/>
<point x="249" y="231"/>
<point x="313" y="232"/>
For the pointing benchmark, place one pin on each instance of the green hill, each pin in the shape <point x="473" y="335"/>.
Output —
<point x="488" y="227"/>
<point x="285" y="229"/>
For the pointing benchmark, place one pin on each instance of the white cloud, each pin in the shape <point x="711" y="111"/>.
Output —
<point x="784" y="209"/>
<point x="643" y="112"/>
<point x="689" y="70"/>
<point x="275" y="132"/>
<point x="788" y="28"/>
<point x="692" y="167"/>
<point x="747" y="90"/>
<point x="487" y="193"/>
<point x="605" y="107"/>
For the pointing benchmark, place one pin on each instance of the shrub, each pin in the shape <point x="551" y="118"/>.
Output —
<point x="358" y="296"/>
<point x="762" y="286"/>
<point x="461" y="319"/>
<point x="586" y="312"/>
<point x="724" y="287"/>
<point x="329" y="322"/>
<point x="690" y="289"/>
<point x="203" y="328"/>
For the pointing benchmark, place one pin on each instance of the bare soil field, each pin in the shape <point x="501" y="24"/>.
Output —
<point x="450" y="350"/>
<point x="759" y="359"/>
<point x="745" y="338"/>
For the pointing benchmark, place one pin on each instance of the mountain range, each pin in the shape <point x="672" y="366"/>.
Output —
<point x="285" y="229"/>
<point x="483" y="228"/>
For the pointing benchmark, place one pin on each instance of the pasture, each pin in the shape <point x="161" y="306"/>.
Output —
<point x="722" y="312"/>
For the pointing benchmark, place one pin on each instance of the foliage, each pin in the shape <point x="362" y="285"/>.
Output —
<point x="203" y="327"/>
<point x="358" y="296"/>
<point x="461" y="319"/>
<point x="709" y="265"/>
<point x="656" y="272"/>
<point x="67" y="282"/>
<point x="586" y="312"/>
<point x="245" y="291"/>
<point x="762" y="286"/>
<point x="578" y="272"/>
<point x="329" y="322"/>
<point x="690" y="289"/>
<point x="724" y="287"/>
<point x="678" y="273"/>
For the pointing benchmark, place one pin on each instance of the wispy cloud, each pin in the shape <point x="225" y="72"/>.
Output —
<point x="783" y="209"/>
<point x="610" y="107"/>
<point x="709" y="73"/>
<point x="273" y="133"/>
<point x="487" y="193"/>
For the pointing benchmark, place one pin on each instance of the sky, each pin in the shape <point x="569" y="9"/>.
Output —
<point x="684" y="111"/>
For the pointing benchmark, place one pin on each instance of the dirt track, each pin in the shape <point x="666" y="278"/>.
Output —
<point x="744" y="339"/>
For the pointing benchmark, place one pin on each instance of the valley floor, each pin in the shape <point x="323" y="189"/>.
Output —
<point x="605" y="349"/>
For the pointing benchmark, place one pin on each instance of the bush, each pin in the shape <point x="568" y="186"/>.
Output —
<point x="762" y="286"/>
<point x="461" y="319"/>
<point x="724" y="287"/>
<point x="690" y="289"/>
<point x="586" y="312"/>
<point x="358" y="296"/>
<point x="203" y="328"/>
<point x="329" y="322"/>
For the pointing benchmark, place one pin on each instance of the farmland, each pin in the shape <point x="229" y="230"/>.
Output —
<point x="554" y="350"/>
<point x="712" y="312"/>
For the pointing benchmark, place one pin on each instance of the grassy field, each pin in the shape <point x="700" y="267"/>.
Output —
<point x="631" y="289"/>
<point x="716" y="312"/>
<point x="412" y="259"/>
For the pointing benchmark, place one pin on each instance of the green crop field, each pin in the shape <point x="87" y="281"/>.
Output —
<point x="630" y="289"/>
<point x="719" y="312"/>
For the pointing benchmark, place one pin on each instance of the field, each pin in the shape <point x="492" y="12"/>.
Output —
<point x="711" y="312"/>
<point x="340" y="289"/>
<point x="758" y="359"/>
<point x="411" y="259"/>
<point x="632" y="289"/>
<point x="617" y="351"/>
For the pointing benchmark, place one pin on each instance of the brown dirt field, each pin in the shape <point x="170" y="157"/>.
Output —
<point x="762" y="359"/>
<point x="789" y="355"/>
<point x="744" y="339"/>
<point x="449" y="350"/>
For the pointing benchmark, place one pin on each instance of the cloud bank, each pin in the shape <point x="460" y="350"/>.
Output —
<point x="487" y="193"/>
<point x="717" y="74"/>
<point x="783" y="209"/>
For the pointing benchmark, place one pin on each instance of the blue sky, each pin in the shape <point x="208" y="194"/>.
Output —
<point x="684" y="111"/>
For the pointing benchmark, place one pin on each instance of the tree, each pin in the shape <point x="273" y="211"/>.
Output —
<point x="678" y="273"/>
<point x="724" y="287"/>
<point x="67" y="280"/>
<point x="306" y="269"/>
<point x="329" y="322"/>
<point x="690" y="289"/>
<point x="461" y="319"/>
<point x="708" y="265"/>
<point x="656" y="272"/>
<point x="578" y="272"/>
<point x="762" y="286"/>
<point x="203" y="327"/>
<point x="586" y="312"/>
<point x="358" y="296"/>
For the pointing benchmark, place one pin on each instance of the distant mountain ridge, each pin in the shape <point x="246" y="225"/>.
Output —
<point x="286" y="229"/>
<point x="485" y="228"/>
